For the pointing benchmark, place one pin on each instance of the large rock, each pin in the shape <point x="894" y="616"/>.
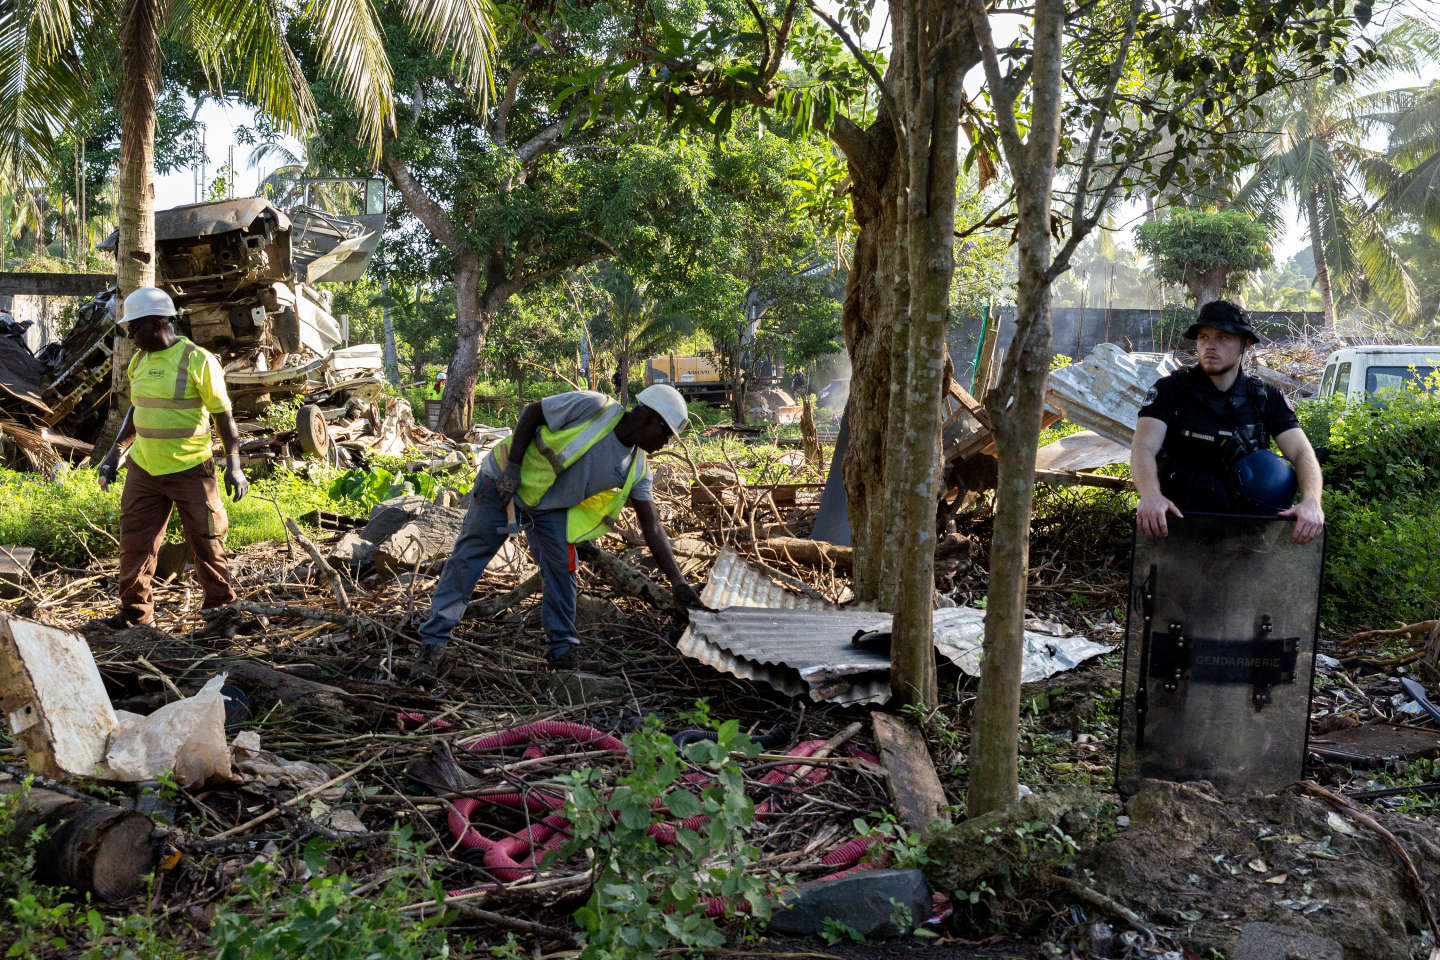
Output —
<point x="1271" y="941"/>
<point x="390" y="516"/>
<point x="352" y="551"/>
<point x="425" y="540"/>
<point x="869" y="902"/>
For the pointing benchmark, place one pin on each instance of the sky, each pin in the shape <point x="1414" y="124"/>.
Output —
<point x="220" y="122"/>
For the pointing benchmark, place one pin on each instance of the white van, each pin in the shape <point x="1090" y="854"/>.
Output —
<point x="1358" y="372"/>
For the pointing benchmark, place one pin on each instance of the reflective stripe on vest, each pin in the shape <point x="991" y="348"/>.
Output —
<point x="193" y="422"/>
<point x="554" y="451"/>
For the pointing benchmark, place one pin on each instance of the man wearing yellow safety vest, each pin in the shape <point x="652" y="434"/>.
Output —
<point x="175" y="388"/>
<point x="571" y="464"/>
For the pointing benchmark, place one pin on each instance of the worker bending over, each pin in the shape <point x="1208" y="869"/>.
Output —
<point x="175" y="388"/>
<point x="1202" y="440"/>
<point x="564" y="475"/>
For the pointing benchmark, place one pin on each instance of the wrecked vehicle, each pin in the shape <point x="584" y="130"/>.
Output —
<point x="242" y="275"/>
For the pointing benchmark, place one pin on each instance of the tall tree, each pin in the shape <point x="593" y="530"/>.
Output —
<point x="1206" y="251"/>
<point x="50" y="50"/>
<point x="633" y="325"/>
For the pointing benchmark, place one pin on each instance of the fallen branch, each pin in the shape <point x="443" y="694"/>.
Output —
<point x="1421" y="889"/>
<point x="495" y="605"/>
<point x="306" y="795"/>
<point x="626" y="578"/>
<point x="1097" y="899"/>
<point x="807" y="551"/>
<point x="513" y="923"/>
<point x="1424" y="626"/>
<point x="337" y="586"/>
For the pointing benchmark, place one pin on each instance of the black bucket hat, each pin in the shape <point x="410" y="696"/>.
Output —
<point x="1225" y="316"/>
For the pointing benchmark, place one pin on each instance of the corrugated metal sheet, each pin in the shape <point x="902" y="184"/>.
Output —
<point x="1104" y="392"/>
<point x="801" y="646"/>
<point x="1086" y="450"/>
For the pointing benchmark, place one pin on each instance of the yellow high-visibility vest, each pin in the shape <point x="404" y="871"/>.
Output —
<point x="173" y="392"/>
<point x="554" y="451"/>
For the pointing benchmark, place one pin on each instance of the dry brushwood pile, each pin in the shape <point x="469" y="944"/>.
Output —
<point x="335" y="742"/>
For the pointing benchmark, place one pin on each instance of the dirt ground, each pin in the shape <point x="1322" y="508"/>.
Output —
<point x="330" y="688"/>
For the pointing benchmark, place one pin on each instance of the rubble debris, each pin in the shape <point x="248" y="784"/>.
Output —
<point x="869" y="902"/>
<point x="1086" y="450"/>
<point x="252" y="764"/>
<point x="1104" y="392"/>
<point x="15" y="564"/>
<point x="87" y="845"/>
<point x="772" y="405"/>
<point x="1416" y="692"/>
<point x="1376" y="744"/>
<point x="914" y="787"/>
<point x="186" y="737"/>
<point x="52" y="694"/>
<point x="410" y="533"/>
<point x="757" y="630"/>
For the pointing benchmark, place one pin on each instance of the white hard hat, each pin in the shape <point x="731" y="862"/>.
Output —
<point x="147" y="302"/>
<point x="666" y="401"/>
<point x="440" y="375"/>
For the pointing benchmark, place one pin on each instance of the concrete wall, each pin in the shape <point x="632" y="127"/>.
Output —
<point x="1075" y="332"/>
<point x="42" y="311"/>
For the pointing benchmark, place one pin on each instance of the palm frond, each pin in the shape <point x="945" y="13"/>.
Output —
<point x="352" y="54"/>
<point x="661" y="332"/>
<point x="466" y="29"/>
<point x="40" y="89"/>
<point x="246" y="39"/>
<point x="1385" y="268"/>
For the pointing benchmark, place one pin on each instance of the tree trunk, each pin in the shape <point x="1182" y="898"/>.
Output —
<point x="88" y="845"/>
<point x="391" y="356"/>
<point x="930" y="95"/>
<point x="876" y="292"/>
<point x="1322" y="268"/>
<point x="1016" y="405"/>
<point x="457" y="403"/>
<point x="139" y="83"/>
<point x="1208" y="286"/>
<point x="624" y="392"/>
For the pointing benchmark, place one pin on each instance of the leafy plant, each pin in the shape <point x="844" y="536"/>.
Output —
<point x="833" y="930"/>
<point x="648" y="895"/>
<point x="366" y="488"/>
<point x="323" y="919"/>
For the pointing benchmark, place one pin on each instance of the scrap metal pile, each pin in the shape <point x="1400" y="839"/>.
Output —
<point x="242" y="274"/>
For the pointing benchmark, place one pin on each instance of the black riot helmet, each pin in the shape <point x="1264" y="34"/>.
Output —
<point x="1225" y="316"/>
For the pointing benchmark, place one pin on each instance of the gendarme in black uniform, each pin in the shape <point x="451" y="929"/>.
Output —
<point x="1208" y="431"/>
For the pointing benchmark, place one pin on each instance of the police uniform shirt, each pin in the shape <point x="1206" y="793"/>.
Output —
<point x="1201" y="422"/>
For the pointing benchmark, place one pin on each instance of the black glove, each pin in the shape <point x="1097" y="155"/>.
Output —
<point x="108" y="468"/>
<point x="508" y="482"/>
<point x="688" y="597"/>
<point x="235" y="483"/>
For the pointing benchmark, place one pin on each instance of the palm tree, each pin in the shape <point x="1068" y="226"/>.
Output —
<point x="631" y="326"/>
<point x="50" y="51"/>
<point x="1316" y="156"/>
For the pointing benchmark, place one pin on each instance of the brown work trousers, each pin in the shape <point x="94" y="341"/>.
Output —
<point x="145" y="512"/>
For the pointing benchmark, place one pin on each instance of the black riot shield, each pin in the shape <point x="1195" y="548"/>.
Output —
<point x="1219" y="654"/>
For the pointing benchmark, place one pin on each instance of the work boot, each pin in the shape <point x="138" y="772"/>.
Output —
<point x="566" y="659"/>
<point x="426" y="665"/>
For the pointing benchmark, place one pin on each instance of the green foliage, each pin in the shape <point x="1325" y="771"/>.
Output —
<point x="279" y="415"/>
<point x="833" y="930"/>
<point x="362" y="489"/>
<point x="324" y="919"/>
<point x="71" y="521"/>
<point x="1190" y="244"/>
<point x="648" y="896"/>
<point x="902" y="848"/>
<point x="1382" y="465"/>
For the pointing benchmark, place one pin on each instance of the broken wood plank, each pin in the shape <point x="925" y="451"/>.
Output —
<point x="806" y="551"/>
<point x="52" y="694"/>
<point x="87" y="845"/>
<point x="914" y="786"/>
<point x="1080" y="478"/>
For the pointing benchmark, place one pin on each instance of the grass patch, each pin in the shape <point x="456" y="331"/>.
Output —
<point x="71" y="521"/>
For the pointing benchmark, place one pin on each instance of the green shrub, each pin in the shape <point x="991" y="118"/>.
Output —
<point x="648" y="896"/>
<point x="1387" y="447"/>
<point x="1382" y="560"/>
<point x="362" y="489"/>
<point x="67" y="520"/>
<point x="324" y="919"/>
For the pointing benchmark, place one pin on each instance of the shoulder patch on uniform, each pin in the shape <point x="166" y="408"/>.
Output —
<point x="1151" y="396"/>
<point x="1289" y="402"/>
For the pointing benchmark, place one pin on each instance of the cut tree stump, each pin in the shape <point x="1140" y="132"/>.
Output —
<point x="88" y="845"/>
<point x="913" y="784"/>
<point x="52" y="694"/>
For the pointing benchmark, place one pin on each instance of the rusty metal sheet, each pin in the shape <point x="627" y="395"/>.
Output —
<point x="801" y="646"/>
<point x="204" y="219"/>
<point x="1104" y="392"/>
<point x="1086" y="450"/>
<point x="1374" y="743"/>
